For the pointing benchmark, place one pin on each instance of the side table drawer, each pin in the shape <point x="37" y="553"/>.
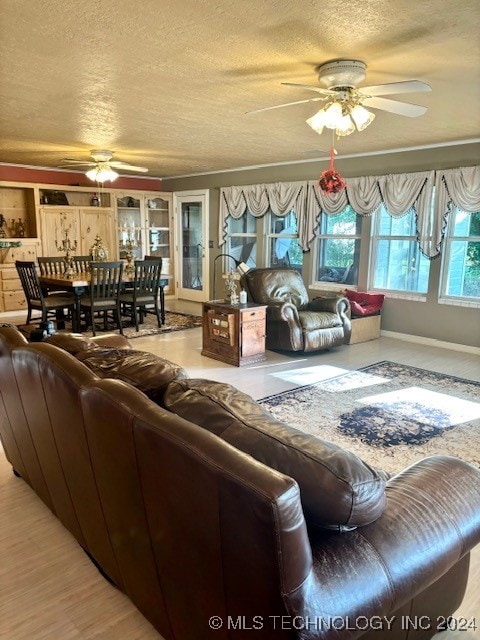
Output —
<point x="249" y="315"/>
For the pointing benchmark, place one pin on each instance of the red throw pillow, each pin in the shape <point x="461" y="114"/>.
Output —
<point x="363" y="303"/>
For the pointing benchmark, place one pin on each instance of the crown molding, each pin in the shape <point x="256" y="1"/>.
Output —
<point x="326" y="158"/>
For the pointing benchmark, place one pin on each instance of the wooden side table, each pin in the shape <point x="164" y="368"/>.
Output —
<point x="234" y="333"/>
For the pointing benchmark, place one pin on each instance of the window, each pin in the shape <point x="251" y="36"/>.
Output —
<point x="283" y="247"/>
<point x="461" y="259"/>
<point x="398" y="264"/>
<point x="338" y="248"/>
<point x="242" y="238"/>
<point x="268" y="241"/>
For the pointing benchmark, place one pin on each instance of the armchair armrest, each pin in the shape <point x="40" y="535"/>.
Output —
<point x="282" y="312"/>
<point x="338" y="305"/>
<point x="283" y="326"/>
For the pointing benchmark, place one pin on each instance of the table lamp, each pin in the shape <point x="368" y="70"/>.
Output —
<point x="240" y="266"/>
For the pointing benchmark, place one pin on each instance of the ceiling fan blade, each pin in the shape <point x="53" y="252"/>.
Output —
<point x="76" y="163"/>
<point x="408" y="86"/>
<point x="327" y="92"/>
<point x="393" y="106"/>
<point x="128" y="167"/>
<point x="287" y="104"/>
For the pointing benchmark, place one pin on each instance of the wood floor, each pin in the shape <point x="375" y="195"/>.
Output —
<point x="49" y="590"/>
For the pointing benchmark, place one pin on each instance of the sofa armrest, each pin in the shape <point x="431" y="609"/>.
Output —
<point x="431" y="522"/>
<point x="220" y="523"/>
<point x="113" y="341"/>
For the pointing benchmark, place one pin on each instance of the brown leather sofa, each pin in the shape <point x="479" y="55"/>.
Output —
<point x="209" y="542"/>
<point x="294" y="323"/>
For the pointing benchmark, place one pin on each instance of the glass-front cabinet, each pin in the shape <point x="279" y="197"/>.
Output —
<point x="145" y="228"/>
<point x="158" y="230"/>
<point x="130" y="227"/>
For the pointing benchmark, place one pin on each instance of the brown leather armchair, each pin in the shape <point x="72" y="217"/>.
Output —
<point x="293" y="322"/>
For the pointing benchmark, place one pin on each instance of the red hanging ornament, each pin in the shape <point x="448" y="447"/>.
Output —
<point x="331" y="181"/>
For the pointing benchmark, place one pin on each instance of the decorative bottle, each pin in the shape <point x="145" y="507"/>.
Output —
<point x="95" y="200"/>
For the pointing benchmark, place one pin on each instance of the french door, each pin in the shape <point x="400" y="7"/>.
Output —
<point x="191" y="219"/>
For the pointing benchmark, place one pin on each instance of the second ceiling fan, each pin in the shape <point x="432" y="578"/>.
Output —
<point x="103" y="167"/>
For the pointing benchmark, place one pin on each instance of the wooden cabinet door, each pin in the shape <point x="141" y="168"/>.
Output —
<point x="253" y="331"/>
<point x="97" y="221"/>
<point x="53" y="222"/>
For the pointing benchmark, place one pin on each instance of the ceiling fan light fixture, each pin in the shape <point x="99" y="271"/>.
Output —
<point x="102" y="174"/>
<point x="344" y="126"/>
<point x="362" y="117"/>
<point x="317" y="121"/>
<point x="333" y="115"/>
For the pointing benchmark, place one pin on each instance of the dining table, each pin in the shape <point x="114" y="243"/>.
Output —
<point x="79" y="284"/>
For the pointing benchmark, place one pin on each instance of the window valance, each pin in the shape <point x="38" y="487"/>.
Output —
<point x="460" y="187"/>
<point x="400" y="193"/>
<point x="258" y="199"/>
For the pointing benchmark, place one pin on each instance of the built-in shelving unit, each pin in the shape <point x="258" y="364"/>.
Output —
<point x="30" y="225"/>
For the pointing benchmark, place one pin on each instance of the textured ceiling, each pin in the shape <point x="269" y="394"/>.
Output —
<point x="166" y="83"/>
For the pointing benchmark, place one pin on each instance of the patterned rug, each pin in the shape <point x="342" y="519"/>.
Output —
<point x="173" y="322"/>
<point x="389" y="414"/>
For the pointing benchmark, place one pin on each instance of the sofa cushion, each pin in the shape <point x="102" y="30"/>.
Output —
<point x="145" y="371"/>
<point x="338" y="490"/>
<point x="76" y="342"/>
<point x="313" y="320"/>
<point x="72" y="342"/>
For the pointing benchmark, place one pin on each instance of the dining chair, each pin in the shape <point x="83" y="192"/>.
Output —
<point x="51" y="265"/>
<point x="38" y="299"/>
<point x="104" y="293"/>
<point x="144" y="292"/>
<point x="81" y="264"/>
<point x="163" y="282"/>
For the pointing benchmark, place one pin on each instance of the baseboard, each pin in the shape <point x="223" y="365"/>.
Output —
<point x="431" y="342"/>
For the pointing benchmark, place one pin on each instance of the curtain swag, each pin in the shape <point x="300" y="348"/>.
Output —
<point x="430" y="194"/>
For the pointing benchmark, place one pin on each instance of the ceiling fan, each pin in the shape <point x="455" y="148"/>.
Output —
<point x="103" y="166"/>
<point x="345" y="103"/>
